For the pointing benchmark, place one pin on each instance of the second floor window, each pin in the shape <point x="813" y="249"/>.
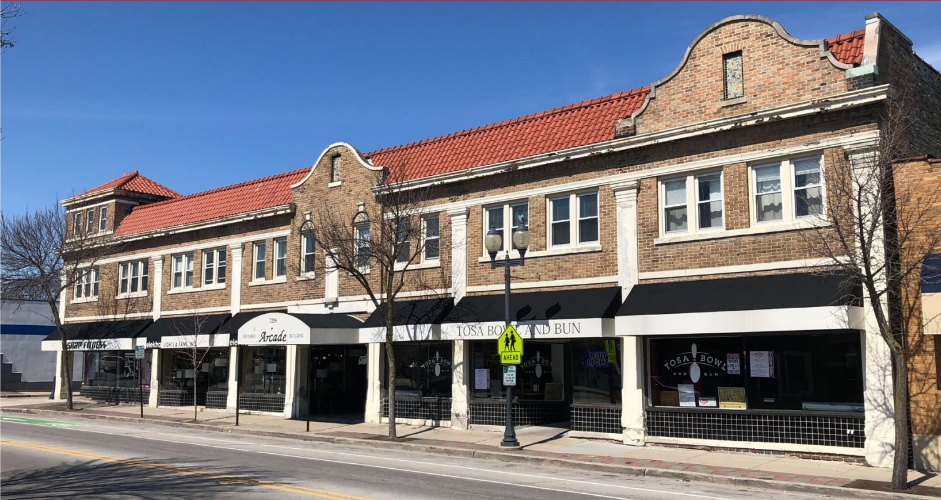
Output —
<point x="788" y="190"/>
<point x="403" y="241"/>
<point x="432" y="237"/>
<point x="561" y="230"/>
<point x="86" y="283"/>
<point x="734" y="75"/>
<point x="214" y="267"/>
<point x="103" y="219"/>
<point x="259" y="271"/>
<point x="690" y="211"/>
<point x="77" y="224"/>
<point x="362" y="245"/>
<point x="133" y="277"/>
<point x="510" y="215"/>
<point x="308" y="247"/>
<point x="183" y="271"/>
<point x="91" y="222"/>
<point x="281" y="257"/>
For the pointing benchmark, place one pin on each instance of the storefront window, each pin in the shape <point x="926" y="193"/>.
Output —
<point x="423" y="370"/>
<point x="264" y="370"/>
<point x="775" y="372"/>
<point x="538" y="377"/>
<point x="596" y="371"/>
<point x="111" y="369"/>
<point x="179" y="372"/>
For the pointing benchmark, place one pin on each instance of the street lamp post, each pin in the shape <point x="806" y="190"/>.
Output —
<point x="494" y="242"/>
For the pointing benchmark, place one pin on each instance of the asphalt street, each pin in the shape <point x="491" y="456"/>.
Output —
<point x="76" y="458"/>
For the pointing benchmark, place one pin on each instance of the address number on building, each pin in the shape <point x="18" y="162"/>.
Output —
<point x="509" y="375"/>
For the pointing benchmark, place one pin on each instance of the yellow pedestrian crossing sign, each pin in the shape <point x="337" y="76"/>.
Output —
<point x="510" y="346"/>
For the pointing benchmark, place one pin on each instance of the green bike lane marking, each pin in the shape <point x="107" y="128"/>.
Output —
<point x="36" y="421"/>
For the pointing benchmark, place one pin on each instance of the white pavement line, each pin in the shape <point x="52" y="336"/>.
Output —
<point x="489" y="471"/>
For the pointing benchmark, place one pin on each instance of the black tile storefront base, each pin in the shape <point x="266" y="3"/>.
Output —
<point x="604" y="419"/>
<point x="273" y="403"/>
<point x="216" y="399"/>
<point x="524" y="413"/>
<point x="420" y="408"/>
<point x="115" y="395"/>
<point x="179" y="397"/>
<point x="846" y="431"/>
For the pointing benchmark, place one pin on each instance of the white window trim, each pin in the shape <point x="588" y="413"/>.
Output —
<point x="424" y="238"/>
<point x="507" y="227"/>
<point x="256" y="260"/>
<point x="305" y="273"/>
<point x="275" y="259"/>
<point x="141" y="291"/>
<point x="102" y="219"/>
<point x="215" y="285"/>
<point x="574" y="217"/>
<point x="86" y="277"/>
<point x="183" y="257"/>
<point x="788" y="207"/>
<point x="693" y="231"/>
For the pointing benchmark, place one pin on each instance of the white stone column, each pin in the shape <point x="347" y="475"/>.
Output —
<point x="374" y="382"/>
<point x="290" y="380"/>
<point x="232" y="395"/>
<point x="625" y="193"/>
<point x="235" y="279"/>
<point x="60" y="386"/>
<point x="459" y="379"/>
<point x="458" y="219"/>
<point x="632" y="390"/>
<point x="155" y="368"/>
<point x="158" y="287"/>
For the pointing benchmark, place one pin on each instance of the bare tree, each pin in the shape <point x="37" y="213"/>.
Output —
<point x="879" y="236"/>
<point x="7" y="12"/>
<point x="44" y="259"/>
<point x="379" y="245"/>
<point x="194" y="341"/>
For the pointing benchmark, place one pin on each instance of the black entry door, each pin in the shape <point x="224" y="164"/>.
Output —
<point x="338" y="380"/>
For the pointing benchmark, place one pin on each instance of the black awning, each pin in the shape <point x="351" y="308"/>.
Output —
<point x="102" y="330"/>
<point x="185" y="325"/>
<point x="577" y="303"/>
<point x="778" y="291"/>
<point x="239" y="320"/>
<point x="329" y="320"/>
<point x="412" y="312"/>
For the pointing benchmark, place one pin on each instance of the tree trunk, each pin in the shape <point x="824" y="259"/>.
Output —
<point x="900" y="463"/>
<point x="195" y="387"/>
<point x="390" y="356"/>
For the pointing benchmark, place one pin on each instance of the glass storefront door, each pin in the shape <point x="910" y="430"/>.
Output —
<point x="337" y="379"/>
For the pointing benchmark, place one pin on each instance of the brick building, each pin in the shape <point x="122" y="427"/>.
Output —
<point x="667" y="296"/>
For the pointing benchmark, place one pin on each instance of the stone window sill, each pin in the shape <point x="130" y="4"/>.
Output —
<point x="205" y="288"/>
<point x="132" y="295"/>
<point x="552" y="252"/>
<point x="734" y="102"/>
<point x="84" y="300"/>
<point x="275" y="281"/>
<point x="754" y="230"/>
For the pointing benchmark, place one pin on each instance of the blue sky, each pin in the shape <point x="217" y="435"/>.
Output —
<point x="201" y="95"/>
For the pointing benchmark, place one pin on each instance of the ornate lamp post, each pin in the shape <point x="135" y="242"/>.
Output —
<point x="494" y="242"/>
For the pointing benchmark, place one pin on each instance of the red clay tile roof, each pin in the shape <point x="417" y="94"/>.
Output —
<point x="137" y="183"/>
<point x="848" y="48"/>
<point x="208" y="205"/>
<point x="562" y="128"/>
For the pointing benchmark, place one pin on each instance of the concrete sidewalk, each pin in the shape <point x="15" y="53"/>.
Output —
<point x="544" y="444"/>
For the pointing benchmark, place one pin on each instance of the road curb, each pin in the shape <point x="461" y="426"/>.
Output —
<point x="505" y="456"/>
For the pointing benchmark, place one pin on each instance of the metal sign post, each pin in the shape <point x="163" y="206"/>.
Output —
<point x="139" y="356"/>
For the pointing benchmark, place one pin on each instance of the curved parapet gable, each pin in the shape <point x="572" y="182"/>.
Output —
<point x="326" y="152"/>
<point x="778" y="69"/>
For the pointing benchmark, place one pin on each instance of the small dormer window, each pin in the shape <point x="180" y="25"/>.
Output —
<point x="335" y="169"/>
<point x="734" y="75"/>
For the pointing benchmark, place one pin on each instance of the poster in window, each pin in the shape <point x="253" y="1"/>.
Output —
<point x="669" y="398"/>
<point x="707" y="401"/>
<point x="732" y="398"/>
<point x="687" y="394"/>
<point x="553" y="392"/>
<point x="761" y="364"/>
<point x="481" y="379"/>
<point x="733" y="363"/>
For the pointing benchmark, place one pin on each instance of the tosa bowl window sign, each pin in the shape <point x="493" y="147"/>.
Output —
<point x="274" y="329"/>
<point x="569" y="328"/>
